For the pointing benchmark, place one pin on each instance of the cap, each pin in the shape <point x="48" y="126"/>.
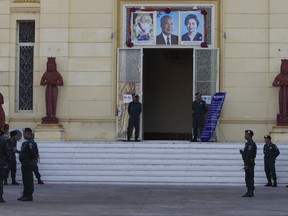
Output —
<point x="27" y="130"/>
<point x="267" y="137"/>
<point x="13" y="133"/>
<point x="249" y="132"/>
<point x="198" y="93"/>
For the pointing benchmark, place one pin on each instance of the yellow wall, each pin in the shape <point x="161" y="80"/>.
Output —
<point x="78" y="34"/>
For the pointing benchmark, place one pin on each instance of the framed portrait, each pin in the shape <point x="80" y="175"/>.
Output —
<point x="167" y="28"/>
<point x="142" y="28"/>
<point x="192" y="28"/>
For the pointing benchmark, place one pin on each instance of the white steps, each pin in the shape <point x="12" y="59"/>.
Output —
<point x="152" y="162"/>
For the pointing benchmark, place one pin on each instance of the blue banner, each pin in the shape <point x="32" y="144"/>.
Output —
<point x="213" y="116"/>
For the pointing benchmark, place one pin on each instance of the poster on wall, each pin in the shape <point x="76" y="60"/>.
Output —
<point x="167" y="28"/>
<point x="142" y="28"/>
<point x="192" y="28"/>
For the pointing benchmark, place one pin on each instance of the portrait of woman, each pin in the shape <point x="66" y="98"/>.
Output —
<point x="192" y="25"/>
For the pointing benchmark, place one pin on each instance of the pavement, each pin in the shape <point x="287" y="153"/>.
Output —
<point x="144" y="200"/>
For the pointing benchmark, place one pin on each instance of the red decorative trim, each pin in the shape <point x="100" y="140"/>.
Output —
<point x="129" y="43"/>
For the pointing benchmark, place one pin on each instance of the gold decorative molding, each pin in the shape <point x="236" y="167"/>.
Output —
<point x="25" y="6"/>
<point x="26" y="1"/>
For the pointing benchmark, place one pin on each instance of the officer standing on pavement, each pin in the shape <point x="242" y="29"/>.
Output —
<point x="199" y="110"/>
<point x="4" y="161"/>
<point x="134" y="110"/>
<point x="248" y="155"/>
<point x="28" y="153"/>
<point x="12" y="150"/>
<point x="271" y="152"/>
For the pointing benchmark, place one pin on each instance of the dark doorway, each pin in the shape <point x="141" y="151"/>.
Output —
<point x="167" y="94"/>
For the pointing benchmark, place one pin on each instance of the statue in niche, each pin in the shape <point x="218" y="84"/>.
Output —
<point x="3" y="126"/>
<point x="2" y="113"/>
<point x="281" y="80"/>
<point x="51" y="78"/>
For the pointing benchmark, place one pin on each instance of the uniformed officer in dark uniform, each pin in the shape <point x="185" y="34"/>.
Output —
<point x="28" y="153"/>
<point x="134" y="110"/>
<point x="248" y="155"/>
<point x="12" y="150"/>
<point x="199" y="110"/>
<point x="4" y="161"/>
<point x="271" y="152"/>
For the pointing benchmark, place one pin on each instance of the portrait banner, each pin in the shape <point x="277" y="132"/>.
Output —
<point x="192" y="25"/>
<point x="167" y="28"/>
<point x="143" y="28"/>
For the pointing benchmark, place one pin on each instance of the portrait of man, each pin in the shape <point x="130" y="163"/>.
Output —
<point x="167" y="28"/>
<point x="192" y="25"/>
<point x="143" y="31"/>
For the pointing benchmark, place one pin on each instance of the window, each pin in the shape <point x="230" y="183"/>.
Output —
<point x="25" y="63"/>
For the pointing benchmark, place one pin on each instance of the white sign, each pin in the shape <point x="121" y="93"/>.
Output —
<point x="127" y="98"/>
<point x="207" y="98"/>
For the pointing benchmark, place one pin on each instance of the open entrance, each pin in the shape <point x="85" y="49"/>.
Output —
<point x="167" y="94"/>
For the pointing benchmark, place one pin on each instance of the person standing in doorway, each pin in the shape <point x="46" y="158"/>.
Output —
<point x="4" y="161"/>
<point x="12" y="150"/>
<point x="28" y="154"/>
<point x="199" y="110"/>
<point x="248" y="155"/>
<point x="271" y="152"/>
<point x="134" y="110"/>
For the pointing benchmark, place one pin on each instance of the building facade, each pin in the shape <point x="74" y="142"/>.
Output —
<point x="103" y="61"/>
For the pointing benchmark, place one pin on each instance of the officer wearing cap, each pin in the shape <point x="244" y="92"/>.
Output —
<point x="4" y="161"/>
<point x="12" y="150"/>
<point x="134" y="110"/>
<point x="271" y="152"/>
<point x="199" y="110"/>
<point x="248" y="155"/>
<point x="28" y="153"/>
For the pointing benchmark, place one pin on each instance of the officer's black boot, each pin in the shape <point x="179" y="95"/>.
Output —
<point x="14" y="182"/>
<point x="26" y="198"/>
<point x="269" y="184"/>
<point x="249" y="194"/>
<point x="274" y="184"/>
<point x="1" y="199"/>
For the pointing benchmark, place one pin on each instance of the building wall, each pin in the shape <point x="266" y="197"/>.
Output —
<point x="79" y="35"/>
<point x="251" y="57"/>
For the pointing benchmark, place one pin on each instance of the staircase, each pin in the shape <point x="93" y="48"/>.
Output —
<point x="152" y="162"/>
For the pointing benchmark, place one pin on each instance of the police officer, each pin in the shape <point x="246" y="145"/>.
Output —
<point x="271" y="152"/>
<point x="199" y="110"/>
<point x="4" y="161"/>
<point x="248" y="155"/>
<point x="12" y="150"/>
<point x="134" y="110"/>
<point x="28" y="153"/>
